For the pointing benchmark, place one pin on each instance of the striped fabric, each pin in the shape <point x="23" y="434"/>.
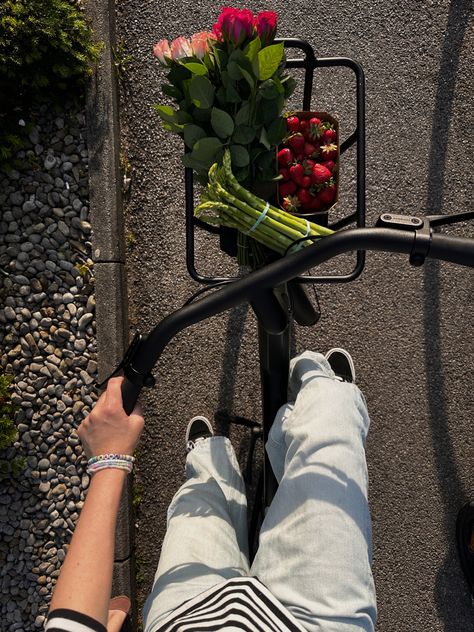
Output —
<point x="239" y="604"/>
<point x="64" y="620"/>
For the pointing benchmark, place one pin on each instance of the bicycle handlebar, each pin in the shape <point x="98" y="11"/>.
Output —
<point x="459" y="250"/>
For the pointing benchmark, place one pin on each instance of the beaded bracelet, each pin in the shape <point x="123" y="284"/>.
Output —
<point x="105" y="461"/>
<point x="102" y="457"/>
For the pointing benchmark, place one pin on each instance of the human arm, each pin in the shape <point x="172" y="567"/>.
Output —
<point x="85" y="581"/>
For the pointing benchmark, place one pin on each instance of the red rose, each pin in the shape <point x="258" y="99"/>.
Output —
<point x="234" y="25"/>
<point x="266" y="24"/>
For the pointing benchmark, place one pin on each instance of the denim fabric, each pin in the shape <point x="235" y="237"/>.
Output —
<point x="315" y="543"/>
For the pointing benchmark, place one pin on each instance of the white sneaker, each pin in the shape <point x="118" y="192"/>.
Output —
<point x="199" y="428"/>
<point x="342" y="364"/>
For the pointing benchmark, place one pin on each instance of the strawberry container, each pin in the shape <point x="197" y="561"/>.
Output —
<point x="308" y="164"/>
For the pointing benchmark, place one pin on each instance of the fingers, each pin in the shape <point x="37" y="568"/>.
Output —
<point x="113" y="394"/>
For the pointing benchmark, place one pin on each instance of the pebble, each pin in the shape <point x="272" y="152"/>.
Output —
<point x="9" y="313"/>
<point x="49" y="162"/>
<point x="47" y="317"/>
<point x="84" y="321"/>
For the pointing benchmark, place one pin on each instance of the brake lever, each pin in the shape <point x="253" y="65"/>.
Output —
<point x="440" y="220"/>
<point x="128" y="369"/>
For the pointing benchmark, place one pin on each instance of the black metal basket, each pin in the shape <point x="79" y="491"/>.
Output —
<point x="227" y="236"/>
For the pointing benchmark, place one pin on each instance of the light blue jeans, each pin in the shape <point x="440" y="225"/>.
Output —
<point x="315" y="542"/>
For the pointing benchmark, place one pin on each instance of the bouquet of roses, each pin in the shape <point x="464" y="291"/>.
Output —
<point x="229" y="90"/>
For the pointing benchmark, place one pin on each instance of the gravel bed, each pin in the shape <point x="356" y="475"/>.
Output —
<point x="47" y="342"/>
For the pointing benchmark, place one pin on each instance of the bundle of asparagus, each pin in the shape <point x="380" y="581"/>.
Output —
<point x="227" y="203"/>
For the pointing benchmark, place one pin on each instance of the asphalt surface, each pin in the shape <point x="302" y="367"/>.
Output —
<point x="408" y="329"/>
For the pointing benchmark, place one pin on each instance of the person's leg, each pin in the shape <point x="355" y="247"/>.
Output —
<point x="206" y="538"/>
<point x="315" y="543"/>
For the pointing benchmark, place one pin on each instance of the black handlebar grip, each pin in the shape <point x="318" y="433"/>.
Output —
<point x="130" y="394"/>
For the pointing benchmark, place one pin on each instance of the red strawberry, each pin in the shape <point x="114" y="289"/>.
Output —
<point x="304" y="197"/>
<point x="310" y="149"/>
<point x="330" y="164"/>
<point x="328" y="152"/>
<point x="285" y="157"/>
<point x="315" y="203"/>
<point x="306" y="182"/>
<point x="327" y="195"/>
<point x="315" y="129"/>
<point x="320" y="174"/>
<point x="287" y="188"/>
<point x="284" y="173"/>
<point x="291" y="203"/>
<point x="329" y="135"/>
<point x="293" y="124"/>
<point x="296" y="143"/>
<point x="297" y="173"/>
<point x="304" y="127"/>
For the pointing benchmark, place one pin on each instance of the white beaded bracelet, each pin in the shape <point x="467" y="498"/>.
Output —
<point x="106" y="461"/>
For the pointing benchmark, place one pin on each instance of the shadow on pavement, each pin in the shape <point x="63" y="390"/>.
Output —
<point x="451" y="596"/>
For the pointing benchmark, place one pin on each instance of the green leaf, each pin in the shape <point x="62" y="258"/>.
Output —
<point x="193" y="133"/>
<point x="266" y="165"/>
<point x="172" y="127"/>
<point x="201" y="92"/>
<point x="166" y="113"/>
<point x="225" y="79"/>
<point x="171" y="91"/>
<point x="190" y="161"/>
<point x="271" y="88"/>
<point x="243" y="115"/>
<point x="240" y="156"/>
<point x="221" y="57"/>
<point x="234" y="71"/>
<point x="205" y="150"/>
<point x="221" y="95"/>
<point x="243" y="134"/>
<point x="252" y="48"/>
<point x="177" y="75"/>
<point x="267" y="61"/>
<point x="237" y="56"/>
<point x="264" y="138"/>
<point x="184" y="117"/>
<point x="241" y="174"/>
<point x="222" y="123"/>
<point x="232" y="95"/>
<point x="289" y="85"/>
<point x="269" y="109"/>
<point x="248" y="78"/>
<point x="276" y="131"/>
<point x="195" y="68"/>
<point x="202" y="115"/>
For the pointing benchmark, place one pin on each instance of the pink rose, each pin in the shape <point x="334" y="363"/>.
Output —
<point x="181" y="47"/>
<point x="162" y="50"/>
<point x="200" y="43"/>
<point x="234" y="25"/>
<point x="266" y="24"/>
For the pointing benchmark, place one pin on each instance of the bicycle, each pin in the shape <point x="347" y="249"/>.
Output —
<point x="276" y="293"/>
